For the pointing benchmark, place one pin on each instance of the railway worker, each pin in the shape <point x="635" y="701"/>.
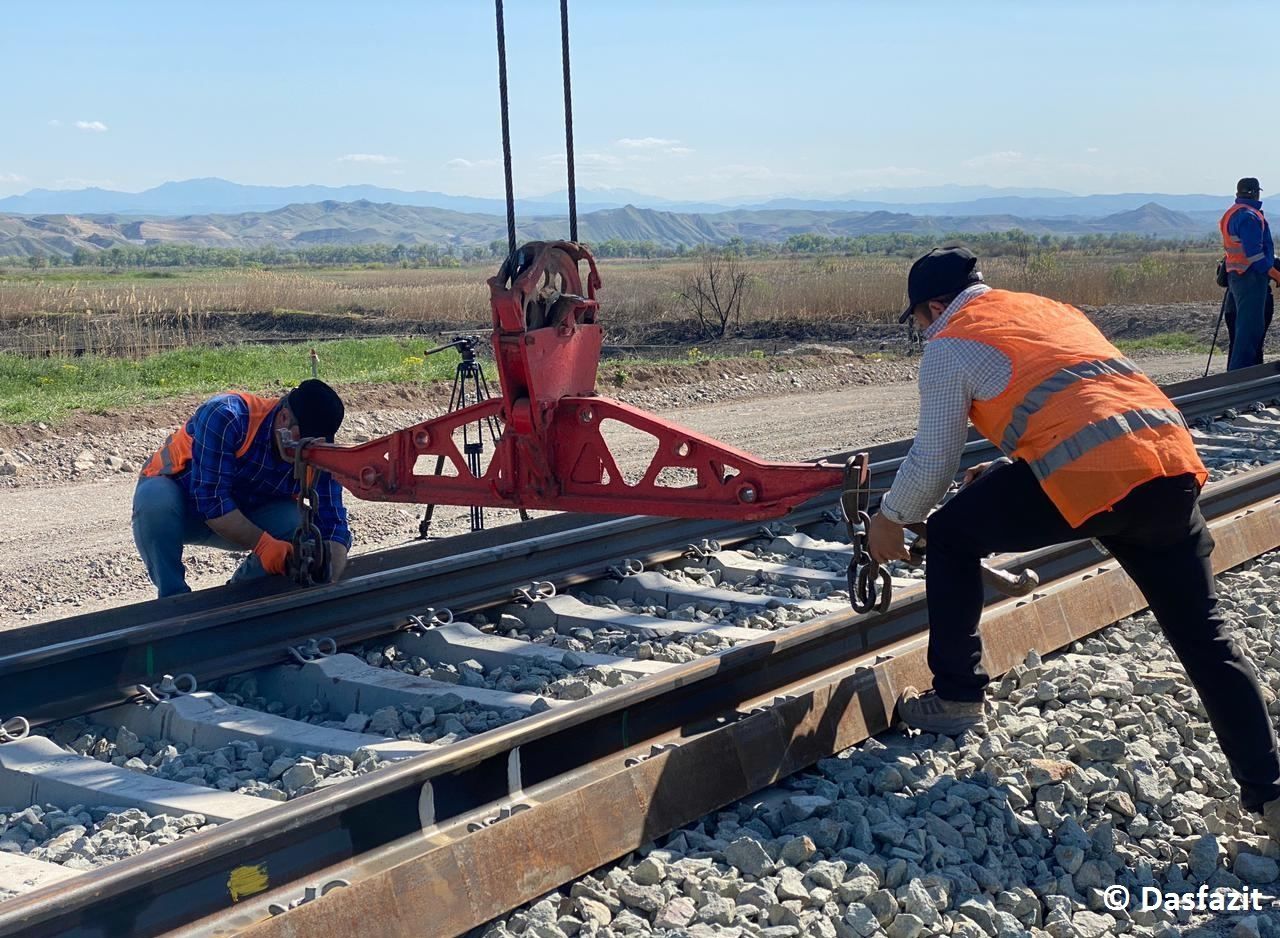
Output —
<point x="1269" y="311"/>
<point x="1093" y="449"/>
<point x="222" y="480"/>
<point x="1250" y="260"/>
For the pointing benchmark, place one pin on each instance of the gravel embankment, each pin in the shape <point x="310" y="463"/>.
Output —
<point x="67" y="491"/>
<point x="1097" y="768"/>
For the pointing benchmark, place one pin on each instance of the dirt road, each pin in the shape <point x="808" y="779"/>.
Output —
<point x="66" y="546"/>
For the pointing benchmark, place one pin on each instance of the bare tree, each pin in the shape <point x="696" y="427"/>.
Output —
<point x="715" y="293"/>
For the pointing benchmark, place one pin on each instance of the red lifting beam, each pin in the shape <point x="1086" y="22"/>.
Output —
<point x="552" y="454"/>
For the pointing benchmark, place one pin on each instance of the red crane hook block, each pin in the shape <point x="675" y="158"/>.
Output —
<point x="552" y="454"/>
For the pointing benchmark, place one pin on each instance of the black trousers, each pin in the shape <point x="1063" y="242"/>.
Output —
<point x="1229" y="314"/>
<point x="1158" y="535"/>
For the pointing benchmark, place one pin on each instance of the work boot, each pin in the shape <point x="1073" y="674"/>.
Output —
<point x="933" y="714"/>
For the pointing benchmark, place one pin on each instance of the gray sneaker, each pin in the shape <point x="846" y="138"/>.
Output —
<point x="931" y="713"/>
<point x="1271" y="819"/>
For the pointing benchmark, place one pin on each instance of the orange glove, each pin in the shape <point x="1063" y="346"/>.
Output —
<point x="273" y="552"/>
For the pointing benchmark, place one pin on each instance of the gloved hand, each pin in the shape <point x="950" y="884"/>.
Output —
<point x="273" y="552"/>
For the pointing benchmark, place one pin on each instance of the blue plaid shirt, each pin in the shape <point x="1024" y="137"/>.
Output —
<point x="218" y="482"/>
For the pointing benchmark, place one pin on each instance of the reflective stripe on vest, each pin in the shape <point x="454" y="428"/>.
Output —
<point x="1038" y="396"/>
<point x="174" y="455"/>
<point x="1103" y="431"/>
<point x="1087" y="421"/>
<point x="1237" y="261"/>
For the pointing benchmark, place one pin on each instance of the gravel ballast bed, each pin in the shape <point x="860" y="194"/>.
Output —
<point x="1097" y="767"/>
<point x="82" y="838"/>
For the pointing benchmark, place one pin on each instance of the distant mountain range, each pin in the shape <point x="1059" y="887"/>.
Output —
<point x="367" y="222"/>
<point x="220" y="197"/>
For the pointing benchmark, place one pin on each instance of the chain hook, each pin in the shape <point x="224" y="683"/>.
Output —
<point x="870" y="586"/>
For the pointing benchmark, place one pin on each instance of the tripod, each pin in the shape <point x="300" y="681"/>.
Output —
<point x="469" y="387"/>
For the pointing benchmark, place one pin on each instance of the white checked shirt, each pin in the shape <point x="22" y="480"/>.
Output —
<point x="953" y="374"/>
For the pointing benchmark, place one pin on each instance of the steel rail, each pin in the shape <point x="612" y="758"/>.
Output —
<point x="101" y="659"/>
<point x="452" y="880"/>
<point x="171" y="886"/>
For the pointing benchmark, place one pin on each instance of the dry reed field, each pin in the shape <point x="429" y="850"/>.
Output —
<point x="92" y="312"/>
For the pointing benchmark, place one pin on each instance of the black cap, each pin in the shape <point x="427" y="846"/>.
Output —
<point x="317" y="408"/>
<point x="941" y="271"/>
<point x="1248" y="188"/>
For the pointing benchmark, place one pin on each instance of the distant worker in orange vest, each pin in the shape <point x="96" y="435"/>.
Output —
<point x="221" y="480"/>
<point x="1250" y="261"/>
<point x="1092" y="449"/>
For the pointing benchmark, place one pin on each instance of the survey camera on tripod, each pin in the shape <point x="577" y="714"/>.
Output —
<point x="466" y="346"/>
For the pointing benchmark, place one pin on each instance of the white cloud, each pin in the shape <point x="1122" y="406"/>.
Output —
<point x="994" y="160"/>
<point x="55" y="123"/>
<point x="12" y="177"/>
<point x="459" y="162"/>
<point x="377" y="158"/>
<point x="1093" y="149"/>
<point x="97" y="127"/>
<point x="646" y="143"/>
<point x="642" y="145"/>
<point x="582" y="160"/>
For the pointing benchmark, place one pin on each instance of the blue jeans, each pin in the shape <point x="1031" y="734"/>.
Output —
<point x="165" y="521"/>
<point x="1249" y="292"/>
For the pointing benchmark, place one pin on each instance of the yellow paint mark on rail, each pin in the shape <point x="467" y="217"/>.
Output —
<point x="247" y="881"/>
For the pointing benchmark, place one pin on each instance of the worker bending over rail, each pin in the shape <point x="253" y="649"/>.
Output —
<point x="1093" y="449"/>
<point x="221" y="480"/>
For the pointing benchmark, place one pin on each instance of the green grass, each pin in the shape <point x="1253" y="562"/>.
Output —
<point x="1164" y="342"/>
<point x="91" y="275"/>
<point x="50" y="389"/>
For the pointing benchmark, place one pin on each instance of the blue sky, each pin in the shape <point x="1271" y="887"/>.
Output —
<point x="702" y="99"/>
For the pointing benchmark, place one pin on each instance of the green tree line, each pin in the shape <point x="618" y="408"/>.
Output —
<point x="990" y="244"/>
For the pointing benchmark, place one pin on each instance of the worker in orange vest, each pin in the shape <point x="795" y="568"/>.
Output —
<point x="1250" y="261"/>
<point x="1092" y="449"/>
<point x="222" y="480"/>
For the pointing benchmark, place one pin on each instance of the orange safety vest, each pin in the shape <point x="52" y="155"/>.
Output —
<point x="1091" y="425"/>
<point x="1237" y="261"/>
<point x="173" y="457"/>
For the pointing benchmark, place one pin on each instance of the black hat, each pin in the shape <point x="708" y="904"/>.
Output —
<point x="941" y="271"/>
<point x="317" y="408"/>
<point x="1248" y="188"/>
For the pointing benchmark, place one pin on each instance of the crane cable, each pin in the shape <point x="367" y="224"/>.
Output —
<point x="506" y="124"/>
<point x="506" y="132"/>
<point x="568" y="119"/>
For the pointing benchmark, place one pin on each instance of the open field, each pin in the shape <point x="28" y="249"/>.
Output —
<point x="142" y="312"/>
<point x="48" y="389"/>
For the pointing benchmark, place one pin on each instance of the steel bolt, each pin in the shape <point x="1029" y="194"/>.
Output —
<point x="747" y="494"/>
<point x="586" y="415"/>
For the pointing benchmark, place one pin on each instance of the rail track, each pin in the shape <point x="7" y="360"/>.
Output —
<point x="583" y="722"/>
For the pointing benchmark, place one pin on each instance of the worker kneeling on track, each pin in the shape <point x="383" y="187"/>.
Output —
<point x="1093" y="449"/>
<point x="221" y="480"/>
